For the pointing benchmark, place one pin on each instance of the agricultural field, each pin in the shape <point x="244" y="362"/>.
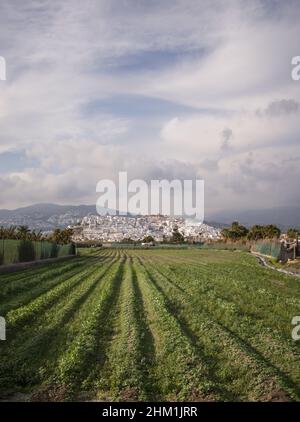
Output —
<point x="150" y="325"/>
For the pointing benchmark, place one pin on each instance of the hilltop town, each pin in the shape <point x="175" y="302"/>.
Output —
<point x="115" y="228"/>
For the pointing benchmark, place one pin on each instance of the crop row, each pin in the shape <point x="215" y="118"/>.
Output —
<point x="230" y="324"/>
<point x="74" y="364"/>
<point x="179" y="369"/>
<point x="36" y="339"/>
<point x="125" y="372"/>
<point x="26" y="313"/>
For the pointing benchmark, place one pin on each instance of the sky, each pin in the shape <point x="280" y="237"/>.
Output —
<point x="161" y="89"/>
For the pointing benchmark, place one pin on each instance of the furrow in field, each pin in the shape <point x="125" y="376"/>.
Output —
<point x="178" y="371"/>
<point x="37" y="279"/>
<point x="123" y="373"/>
<point x="46" y="269"/>
<point x="26" y="313"/>
<point x="263" y="304"/>
<point x="75" y="364"/>
<point x="54" y="335"/>
<point x="25" y="294"/>
<point x="256" y="314"/>
<point x="24" y="274"/>
<point x="223" y="354"/>
<point x="16" y="281"/>
<point x="238" y="273"/>
<point x="177" y="304"/>
<point x="268" y="376"/>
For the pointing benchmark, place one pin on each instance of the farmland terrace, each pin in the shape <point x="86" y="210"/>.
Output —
<point x="170" y="325"/>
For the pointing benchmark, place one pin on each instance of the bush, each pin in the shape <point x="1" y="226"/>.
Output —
<point x="26" y="251"/>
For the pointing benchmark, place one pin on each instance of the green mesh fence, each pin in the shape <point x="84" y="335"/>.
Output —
<point x="232" y="246"/>
<point x="15" y="251"/>
<point x="267" y="247"/>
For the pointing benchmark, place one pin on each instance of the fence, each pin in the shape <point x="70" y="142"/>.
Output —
<point x="15" y="251"/>
<point x="268" y="247"/>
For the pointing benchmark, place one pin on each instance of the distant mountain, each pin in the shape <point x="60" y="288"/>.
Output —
<point x="46" y="216"/>
<point x="283" y="217"/>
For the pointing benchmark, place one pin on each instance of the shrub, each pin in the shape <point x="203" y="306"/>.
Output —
<point x="26" y="251"/>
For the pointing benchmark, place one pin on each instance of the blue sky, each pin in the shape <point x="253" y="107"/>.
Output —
<point x="182" y="88"/>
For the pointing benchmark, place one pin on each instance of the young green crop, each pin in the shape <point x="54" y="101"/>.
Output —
<point x="75" y="362"/>
<point x="132" y="324"/>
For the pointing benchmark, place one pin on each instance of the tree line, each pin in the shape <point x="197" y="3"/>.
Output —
<point x="59" y="236"/>
<point x="256" y="232"/>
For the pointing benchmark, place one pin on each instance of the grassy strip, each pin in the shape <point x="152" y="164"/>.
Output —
<point x="246" y="290"/>
<point x="19" y="282"/>
<point x="125" y="372"/>
<point x="30" y="273"/>
<point x="180" y="374"/>
<point x="74" y="365"/>
<point x="20" y="366"/>
<point x="23" y="314"/>
<point x="184" y="311"/>
<point x="249" y="335"/>
<point x="24" y="294"/>
<point x="233" y="371"/>
<point x="16" y="281"/>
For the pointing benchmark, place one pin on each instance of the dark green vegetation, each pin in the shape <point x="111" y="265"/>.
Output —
<point x="61" y="237"/>
<point x="150" y="325"/>
<point x="256" y="232"/>
<point x="14" y="251"/>
<point x="20" y="244"/>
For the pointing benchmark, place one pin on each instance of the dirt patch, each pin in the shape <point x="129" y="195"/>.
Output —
<point x="129" y="394"/>
<point x="276" y="396"/>
<point x="196" y="396"/>
<point x="50" y="393"/>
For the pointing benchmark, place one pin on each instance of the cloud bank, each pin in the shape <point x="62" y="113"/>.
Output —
<point x="173" y="89"/>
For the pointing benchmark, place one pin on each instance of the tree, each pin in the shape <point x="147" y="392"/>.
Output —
<point x="148" y="239"/>
<point x="11" y="233"/>
<point x="62" y="237"/>
<point x="128" y="240"/>
<point x="256" y="232"/>
<point x="36" y="236"/>
<point x="292" y="233"/>
<point x="177" y="237"/>
<point x="23" y="232"/>
<point x="271" y="232"/>
<point x="236" y="232"/>
<point x="225" y="233"/>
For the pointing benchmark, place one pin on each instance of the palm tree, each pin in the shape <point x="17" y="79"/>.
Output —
<point x="23" y="232"/>
<point x="36" y="235"/>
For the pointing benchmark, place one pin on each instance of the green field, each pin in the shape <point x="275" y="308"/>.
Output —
<point x="161" y="325"/>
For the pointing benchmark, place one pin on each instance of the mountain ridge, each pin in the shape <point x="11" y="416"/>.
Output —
<point x="47" y="216"/>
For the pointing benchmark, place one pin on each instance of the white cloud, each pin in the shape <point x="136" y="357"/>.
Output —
<point x="229" y="60"/>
